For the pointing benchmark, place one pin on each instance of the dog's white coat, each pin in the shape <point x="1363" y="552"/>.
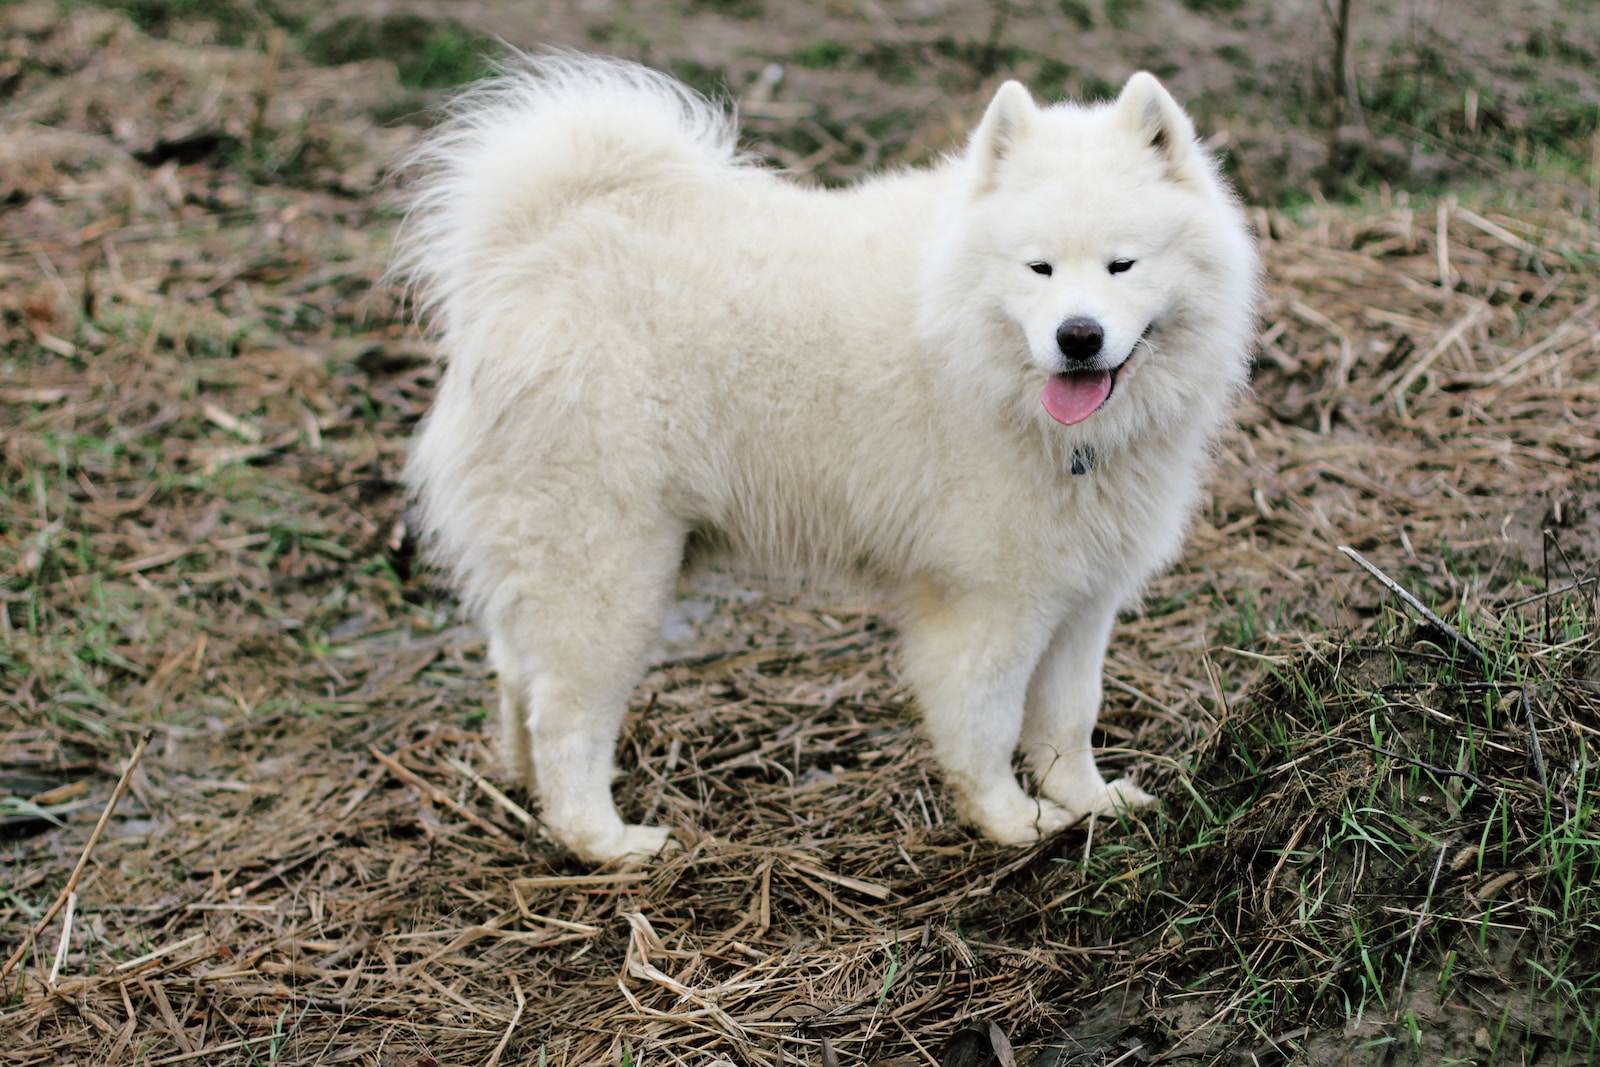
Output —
<point x="651" y="342"/>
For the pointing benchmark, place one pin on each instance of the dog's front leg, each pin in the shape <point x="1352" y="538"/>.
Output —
<point x="1063" y="704"/>
<point x="969" y="656"/>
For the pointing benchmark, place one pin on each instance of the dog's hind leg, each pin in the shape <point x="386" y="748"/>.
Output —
<point x="1063" y="704"/>
<point x="515" y="708"/>
<point x="575" y="635"/>
<point x="968" y="657"/>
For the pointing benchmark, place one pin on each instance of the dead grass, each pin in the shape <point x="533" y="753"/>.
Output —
<point x="204" y="401"/>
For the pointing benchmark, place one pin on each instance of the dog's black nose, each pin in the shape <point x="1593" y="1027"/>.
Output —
<point x="1080" y="339"/>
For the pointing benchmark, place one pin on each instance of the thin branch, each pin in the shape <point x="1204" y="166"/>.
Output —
<point x="516" y="1017"/>
<point x="1422" y="916"/>
<point x="71" y="888"/>
<point x="1533" y="741"/>
<point x="1574" y="587"/>
<point x="64" y="943"/>
<point x="1403" y="758"/>
<point x="1416" y="605"/>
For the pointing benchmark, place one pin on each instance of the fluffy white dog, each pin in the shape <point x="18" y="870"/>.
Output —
<point x="989" y="388"/>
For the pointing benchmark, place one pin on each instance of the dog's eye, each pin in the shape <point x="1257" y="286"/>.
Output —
<point x="1042" y="268"/>
<point x="1117" y="266"/>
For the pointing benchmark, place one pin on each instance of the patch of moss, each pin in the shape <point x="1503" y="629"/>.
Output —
<point x="826" y="54"/>
<point x="234" y="21"/>
<point x="711" y="81"/>
<point x="733" y="9"/>
<point x="428" y="53"/>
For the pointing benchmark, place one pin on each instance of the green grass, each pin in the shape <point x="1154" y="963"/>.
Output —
<point x="428" y="53"/>
<point x="234" y="21"/>
<point x="1370" y="824"/>
<point x="825" y="54"/>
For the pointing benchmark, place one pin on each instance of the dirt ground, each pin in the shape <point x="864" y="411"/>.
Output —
<point x="1455" y="91"/>
<point x="248" y="811"/>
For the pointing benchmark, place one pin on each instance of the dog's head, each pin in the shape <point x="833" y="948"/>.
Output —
<point x="1104" y="241"/>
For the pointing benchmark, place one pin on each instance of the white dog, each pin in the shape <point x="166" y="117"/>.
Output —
<point x="989" y="388"/>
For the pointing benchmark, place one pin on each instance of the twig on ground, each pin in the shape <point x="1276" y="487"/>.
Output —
<point x="1533" y="740"/>
<point x="515" y="810"/>
<point x="71" y="888"/>
<point x="1422" y="917"/>
<point x="65" y="941"/>
<point x="1549" y="593"/>
<point x="433" y="792"/>
<point x="511" y="1028"/>
<point x="1416" y="605"/>
<point x="1403" y="758"/>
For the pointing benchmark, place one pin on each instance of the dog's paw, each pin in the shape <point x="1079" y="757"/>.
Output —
<point x="1084" y="795"/>
<point x="1023" y="820"/>
<point x="1122" y="795"/>
<point x="639" y="845"/>
<point x="626" y="848"/>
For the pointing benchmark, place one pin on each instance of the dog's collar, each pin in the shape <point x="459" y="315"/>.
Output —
<point x="1083" y="459"/>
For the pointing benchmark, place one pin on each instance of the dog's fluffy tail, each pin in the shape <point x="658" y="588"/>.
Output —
<point x="522" y="149"/>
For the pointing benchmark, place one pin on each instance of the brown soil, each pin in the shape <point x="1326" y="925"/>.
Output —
<point x="1467" y="91"/>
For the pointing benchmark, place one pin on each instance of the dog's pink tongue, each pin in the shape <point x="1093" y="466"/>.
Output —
<point x="1071" y="398"/>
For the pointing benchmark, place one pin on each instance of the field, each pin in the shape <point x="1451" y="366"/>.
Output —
<point x="249" y="811"/>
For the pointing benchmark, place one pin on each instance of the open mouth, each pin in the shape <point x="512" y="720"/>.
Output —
<point x="1072" y="396"/>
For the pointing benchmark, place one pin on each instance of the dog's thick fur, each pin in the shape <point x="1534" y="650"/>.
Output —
<point x="657" y="351"/>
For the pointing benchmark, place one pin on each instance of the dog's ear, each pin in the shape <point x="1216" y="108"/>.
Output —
<point x="1149" y="113"/>
<point x="1009" y="117"/>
